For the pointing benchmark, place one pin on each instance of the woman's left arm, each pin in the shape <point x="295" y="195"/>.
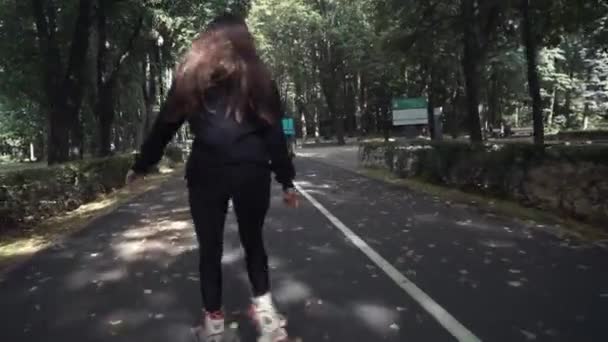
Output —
<point x="163" y="130"/>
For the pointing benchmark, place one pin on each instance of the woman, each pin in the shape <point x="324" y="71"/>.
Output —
<point x="225" y="93"/>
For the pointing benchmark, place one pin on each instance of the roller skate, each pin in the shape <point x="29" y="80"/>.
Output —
<point x="211" y="329"/>
<point x="268" y="321"/>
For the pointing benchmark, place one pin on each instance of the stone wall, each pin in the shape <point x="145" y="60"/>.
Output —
<point x="569" y="180"/>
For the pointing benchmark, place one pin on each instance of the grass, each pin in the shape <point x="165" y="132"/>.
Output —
<point x="497" y="206"/>
<point x="18" y="246"/>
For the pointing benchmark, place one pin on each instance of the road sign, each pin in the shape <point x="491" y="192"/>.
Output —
<point x="410" y="111"/>
<point x="288" y="127"/>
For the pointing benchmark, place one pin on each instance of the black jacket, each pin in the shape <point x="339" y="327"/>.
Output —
<point x="221" y="141"/>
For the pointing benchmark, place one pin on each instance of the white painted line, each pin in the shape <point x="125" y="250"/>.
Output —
<point x="459" y="331"/>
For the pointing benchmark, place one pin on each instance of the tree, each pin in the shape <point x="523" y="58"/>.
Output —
<point x="531" y="47"/>
<point x="108" y="71"/>
<point x="63" y="80"/>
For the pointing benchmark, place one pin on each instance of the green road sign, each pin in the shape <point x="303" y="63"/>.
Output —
<point x="410" y="111"/>
<point x="411" y="103"/>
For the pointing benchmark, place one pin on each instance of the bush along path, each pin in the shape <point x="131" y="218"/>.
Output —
<point x="43" y="205"/>
<point x="571" y="181"/>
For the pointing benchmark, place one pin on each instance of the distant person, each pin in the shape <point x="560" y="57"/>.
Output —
<point x="226" y="94"/>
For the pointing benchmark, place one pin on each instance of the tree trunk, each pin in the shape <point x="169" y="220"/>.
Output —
<point x="339" y="128"/>
<point x="531" y="47"/>
<point x="361" y="104"/>
<point x="552" y="107"/>
<point x="493" y="99"/>
<point x="430" y="106"/>
<point x="330" y="91"/>
<point x="39" y="151"/>
<point x="77" y="136"/>
<point x="151" y="93"/>
<point x="117" y="139"/>
<point x="105" y="117"/>
<point x="586" y="117"/>
<point x="107" y="76"/>
<point x="317" y="125"/>
<point x="58" y="144"/>
<point x="471" y="64"/>
<point x="63" y="91"/>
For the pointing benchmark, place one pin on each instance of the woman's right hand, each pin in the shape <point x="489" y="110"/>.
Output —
<point x="132" y="177"/>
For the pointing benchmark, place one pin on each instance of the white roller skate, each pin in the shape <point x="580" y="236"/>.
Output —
<point x="211" y="329"/>
<point x="269" y="323"/>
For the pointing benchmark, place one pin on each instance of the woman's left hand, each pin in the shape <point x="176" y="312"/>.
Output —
<point x="291" y="198"/>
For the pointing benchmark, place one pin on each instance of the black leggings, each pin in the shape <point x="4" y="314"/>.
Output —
<point x="210" y="190"/>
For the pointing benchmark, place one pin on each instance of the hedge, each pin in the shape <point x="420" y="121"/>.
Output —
<point x="583" y="135"/>
<point x="568" y="179"/>
<point x="31" y="195"/>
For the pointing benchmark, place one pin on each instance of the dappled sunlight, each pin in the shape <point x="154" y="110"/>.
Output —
<point x="22" y="247"/>
<point x="377" y="317"/>
<point x="174" y="225"/>
<point x="156" y="207"/>
<point x="170" y="199"/>
<point x="276" y="262"/>
<point x="122" y="319"/>
<point x="129" y="250"/>
<point x="86" y="208"/>
<point x="116" y="274"/>
<point x="159" y="300"/>
<point x="325" y="249"/>
<point x="232" y="255"/>
<point x="155" y="241"/>
<point x="290" y="291"/>
<point x="80" y="278"/>
<point x="427" y="217"/>
<point x="497" y="243"/>
<point x="475" y="225"/>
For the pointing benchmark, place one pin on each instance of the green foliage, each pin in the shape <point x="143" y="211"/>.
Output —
<point x="583" y="135"/>
<point x="35" y="194"/>
<point x="567" y="179"/>
<point x="338" y="63"/>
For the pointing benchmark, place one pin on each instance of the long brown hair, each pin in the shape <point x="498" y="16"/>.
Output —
<point x="224" y="58"/>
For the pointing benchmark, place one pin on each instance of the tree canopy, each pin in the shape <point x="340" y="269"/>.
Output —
<point x="83" y="77"/>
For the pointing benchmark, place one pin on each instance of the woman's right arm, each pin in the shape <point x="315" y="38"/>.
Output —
<point x="280" y="160"/>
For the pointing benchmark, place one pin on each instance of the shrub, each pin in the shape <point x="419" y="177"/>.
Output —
<point x="34" y="194"/>
<point x="583" y="135"/>
<point x="570" y="179"/>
